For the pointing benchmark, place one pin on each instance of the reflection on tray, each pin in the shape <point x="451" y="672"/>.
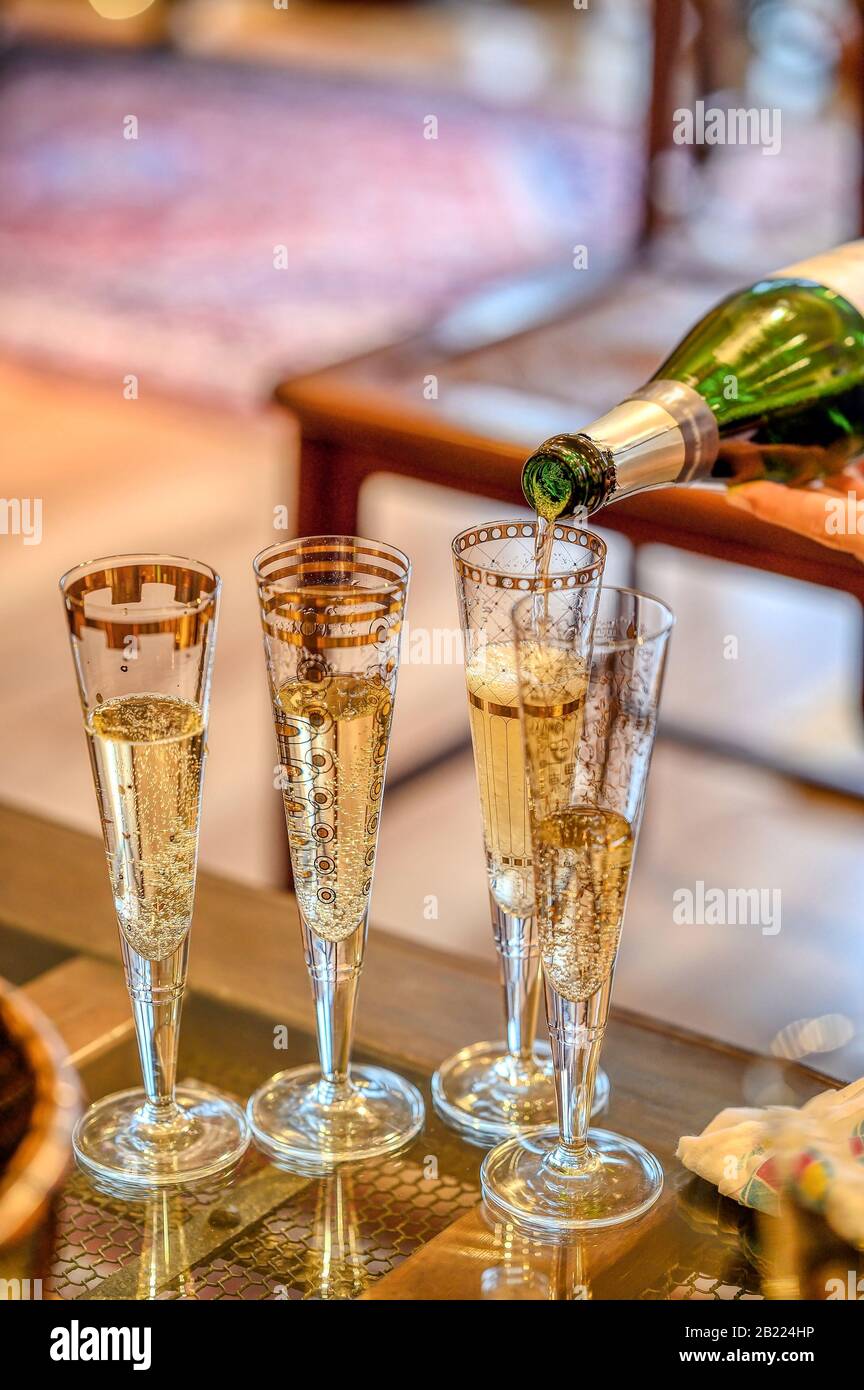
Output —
<point x="268" y="1235"/>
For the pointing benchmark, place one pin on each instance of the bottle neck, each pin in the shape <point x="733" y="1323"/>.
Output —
<point x="664" y="433"/>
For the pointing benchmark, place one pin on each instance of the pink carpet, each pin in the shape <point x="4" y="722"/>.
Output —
<point x="155" y="256"/>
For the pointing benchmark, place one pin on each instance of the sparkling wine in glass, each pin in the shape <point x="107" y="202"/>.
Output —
<point x="332" y="610"/>
<point x="586" y="794"/>
<point x="143" y="632"/>
<point x="490" y="1090"/>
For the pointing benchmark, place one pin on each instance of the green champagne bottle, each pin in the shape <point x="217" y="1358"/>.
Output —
<point x="768" y="385"/>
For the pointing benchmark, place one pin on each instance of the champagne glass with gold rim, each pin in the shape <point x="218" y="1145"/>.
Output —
<point x="332" y="609"/>
<point x="143" y="633"/>
<point x="587" y="784"/>
<point x="490" y="1090"/>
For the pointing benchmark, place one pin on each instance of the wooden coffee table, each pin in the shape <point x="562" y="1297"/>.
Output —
<point x="411" y="1226"/>
<point x="464" y="403"/>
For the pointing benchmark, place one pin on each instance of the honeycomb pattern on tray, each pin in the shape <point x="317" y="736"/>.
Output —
<point x="329" y="1239"/>
<point x="684" y="1284"/>
<point x="97" y="1237"/>
<point x="337" y="1236"/>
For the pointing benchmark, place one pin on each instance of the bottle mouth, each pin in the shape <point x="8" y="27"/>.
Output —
<point x="567" y="473"/>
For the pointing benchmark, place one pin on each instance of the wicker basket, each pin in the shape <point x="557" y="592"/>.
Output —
<point x="40" y="1101"/>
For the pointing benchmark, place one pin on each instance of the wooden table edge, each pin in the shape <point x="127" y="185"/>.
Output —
<point x="418" y="1014"/>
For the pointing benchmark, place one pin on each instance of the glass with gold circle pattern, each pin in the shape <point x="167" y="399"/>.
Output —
<point x="332" y="609"/>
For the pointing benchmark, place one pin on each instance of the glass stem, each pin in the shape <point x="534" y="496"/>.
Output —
<point x="519" y="958"/>
<point x="156" y="989"/>
<point x="576" y="1032"/>
<point x="334" y="969"/>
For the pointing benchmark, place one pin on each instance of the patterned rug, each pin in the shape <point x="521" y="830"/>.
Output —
<point x="265" y="222"/>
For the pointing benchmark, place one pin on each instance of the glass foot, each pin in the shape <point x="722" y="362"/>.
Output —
<point x="536" y="1185"/>
<point x="302" y="1121"/>
<point x="488" y="1095"/>
<point x="126" y="1148"/>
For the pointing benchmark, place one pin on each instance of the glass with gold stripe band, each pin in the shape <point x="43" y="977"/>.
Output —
<point x="332" y="609"/>
<point x="143" y="633"/>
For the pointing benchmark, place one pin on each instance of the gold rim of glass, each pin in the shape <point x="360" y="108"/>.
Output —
<point x="83" y="581"/>
<point x="517" y="579"/>
<point x="314" y="551"/>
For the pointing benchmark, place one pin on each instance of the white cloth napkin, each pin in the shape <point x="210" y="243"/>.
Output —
<point x="817" y="1151"/>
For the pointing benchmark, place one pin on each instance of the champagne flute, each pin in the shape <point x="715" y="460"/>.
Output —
<point x="332" y="609"/>
<point x="587" y="782"/>
<point x="143" y="633"/>
<point x="491" y="1090"/>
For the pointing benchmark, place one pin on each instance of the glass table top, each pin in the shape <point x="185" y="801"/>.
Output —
<point x="411" y="1226"/>
<point x="269" y="1234"/>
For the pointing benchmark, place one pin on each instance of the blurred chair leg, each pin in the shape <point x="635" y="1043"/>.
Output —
<point x="329" y="489"/>
<point x="856" y="60"/>
<point x="668" y="26"/>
